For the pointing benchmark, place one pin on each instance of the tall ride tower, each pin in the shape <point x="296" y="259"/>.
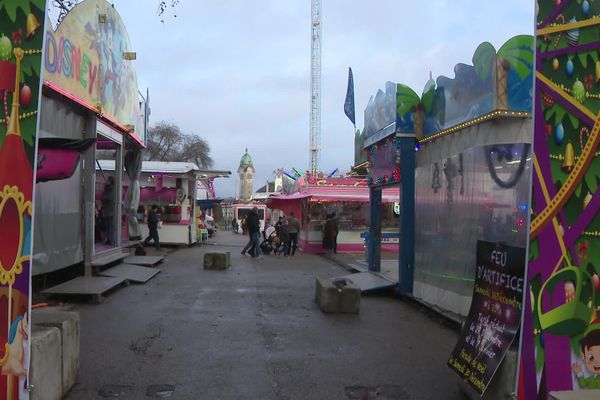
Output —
<point x="315" y="86"/>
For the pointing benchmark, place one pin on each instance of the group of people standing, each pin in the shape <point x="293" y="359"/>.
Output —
<point x="287" y="230"/>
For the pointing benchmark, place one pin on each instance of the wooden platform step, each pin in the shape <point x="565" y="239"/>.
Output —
<point x="107" y="258"/>
<point x="85" y="286"/>
<point x="147" y="261"/>
<point x="133" y="273"/>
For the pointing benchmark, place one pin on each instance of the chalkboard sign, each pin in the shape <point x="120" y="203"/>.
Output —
<point x="494" y="316"/>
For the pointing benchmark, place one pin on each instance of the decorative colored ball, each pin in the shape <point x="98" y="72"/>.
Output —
<point x="596" y="280"/>
<point x="5" y="48"/>
<point x="578" y="91"/>
<point x="573" y="34"/>
<point x="555" y="64"/>
<point x="585" y="7"/>
<point x="549" y="129"/>
<point x="25" y="96"/>
<point x="559" y="134"/>
<point x="570" y="68"/>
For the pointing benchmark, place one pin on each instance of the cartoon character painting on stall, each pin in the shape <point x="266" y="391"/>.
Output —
<point x="560" y="343"/>
<point x="21" y="38"/>
<point x="89" y="56"/>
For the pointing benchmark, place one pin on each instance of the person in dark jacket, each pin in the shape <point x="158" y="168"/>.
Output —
<point x="108" y="209"/>
<point x="330" y="232"/>
<point x="253" y="224"/>
<point x="153" y="227"/>
<point x="293" y="229"/>
<point x="284" y="235"/>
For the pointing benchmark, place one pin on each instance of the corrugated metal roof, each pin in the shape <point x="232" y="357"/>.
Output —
<point x="172" y="167"/>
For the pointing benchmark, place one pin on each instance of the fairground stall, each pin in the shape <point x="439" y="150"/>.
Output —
<point x="460" y="156"/>
<point x="90" y="94"/>
<point x="348" y="199"/>
<point x="173" y="187"/>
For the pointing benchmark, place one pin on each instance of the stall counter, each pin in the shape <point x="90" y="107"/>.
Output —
<point x="172" y="232"/>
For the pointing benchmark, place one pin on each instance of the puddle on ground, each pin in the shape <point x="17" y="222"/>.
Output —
<point x="114" y="391"/>
<point x="160" y="391"/>
<point x="383" y="392"/>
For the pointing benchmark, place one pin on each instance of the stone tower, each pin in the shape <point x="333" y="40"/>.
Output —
<point x="246" y="172"/>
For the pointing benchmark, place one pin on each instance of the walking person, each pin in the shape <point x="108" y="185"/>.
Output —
<point x="330" y="232"/>
<point x="293" y="229"/>
<point x="253" y="225"/>
<point x="153" y="222"/>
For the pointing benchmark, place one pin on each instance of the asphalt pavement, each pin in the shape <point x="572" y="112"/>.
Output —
<point x="254" y="331"/>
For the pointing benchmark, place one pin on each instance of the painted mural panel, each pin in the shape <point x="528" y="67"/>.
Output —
<point x="561" y="334"/>
<point x="87" y="57"/>
<point x="21" y="38"/>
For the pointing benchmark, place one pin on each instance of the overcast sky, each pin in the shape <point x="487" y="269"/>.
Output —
<point x="237" y="72"/>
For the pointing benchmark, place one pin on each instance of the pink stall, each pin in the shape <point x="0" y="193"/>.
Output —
<point x="348" y="199"/>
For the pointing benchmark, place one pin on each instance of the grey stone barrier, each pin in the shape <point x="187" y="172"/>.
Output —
<point x="45" y="371"/>
<point x="337" y="296"/>
<point x="68" y="324"/>
<point x="218" y="260"/>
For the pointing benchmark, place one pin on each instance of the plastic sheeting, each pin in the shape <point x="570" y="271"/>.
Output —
<point x="133" y="167"/>
<point x="468" y="194"/>
<point x="58" y="205"/>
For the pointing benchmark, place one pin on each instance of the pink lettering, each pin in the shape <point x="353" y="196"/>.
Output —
<point x="93" y="72"/>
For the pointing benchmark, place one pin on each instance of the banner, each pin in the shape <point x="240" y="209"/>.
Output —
<point x="495" y="314"/>
<point x="349" y="103"/>
<point x="561" y="331"/>
<point x="21" y="38"/>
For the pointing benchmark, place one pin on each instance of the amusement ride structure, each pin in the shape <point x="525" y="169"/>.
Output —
<point x="315" y="86"/>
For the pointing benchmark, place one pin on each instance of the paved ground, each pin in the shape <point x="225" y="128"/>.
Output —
<point x="255" y="332"/>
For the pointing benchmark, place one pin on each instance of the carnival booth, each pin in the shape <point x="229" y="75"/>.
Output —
<point x="460" y="154"/>
<point x="347" y="198"/>
<point x="172" y="186"/>
<point x="90" y="93"/>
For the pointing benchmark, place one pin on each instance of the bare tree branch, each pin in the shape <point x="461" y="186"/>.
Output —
<point x="166" y="142"/>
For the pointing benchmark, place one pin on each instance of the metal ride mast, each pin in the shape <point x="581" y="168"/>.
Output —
<point x="315" y="87"/>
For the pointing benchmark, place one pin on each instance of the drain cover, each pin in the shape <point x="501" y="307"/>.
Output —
<point x="160" y="391"/>
<point x="113" y="391"/>
<point x="383" y="392"/>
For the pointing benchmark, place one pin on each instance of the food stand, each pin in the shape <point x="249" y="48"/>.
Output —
<point x="172" y="186"/>
<point x="348" y="199"/>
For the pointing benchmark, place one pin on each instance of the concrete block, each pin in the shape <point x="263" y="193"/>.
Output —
<point x="334" y="296"/>
<point x="217" y="260"/>
<point x="46" y="368"/>
<point x="68" y="324"/>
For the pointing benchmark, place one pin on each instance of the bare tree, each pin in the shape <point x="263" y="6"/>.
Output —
<point x="166" y="142"/>
<point x="64" y="6"/>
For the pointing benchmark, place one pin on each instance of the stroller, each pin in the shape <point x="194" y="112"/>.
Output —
<point x="271" y="242"/>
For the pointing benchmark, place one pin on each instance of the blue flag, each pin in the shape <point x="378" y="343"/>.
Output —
<point x="349" y="103"/>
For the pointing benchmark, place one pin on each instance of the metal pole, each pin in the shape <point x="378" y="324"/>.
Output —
<point x="407" y="214"/>
<point x="374" y="243"/>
